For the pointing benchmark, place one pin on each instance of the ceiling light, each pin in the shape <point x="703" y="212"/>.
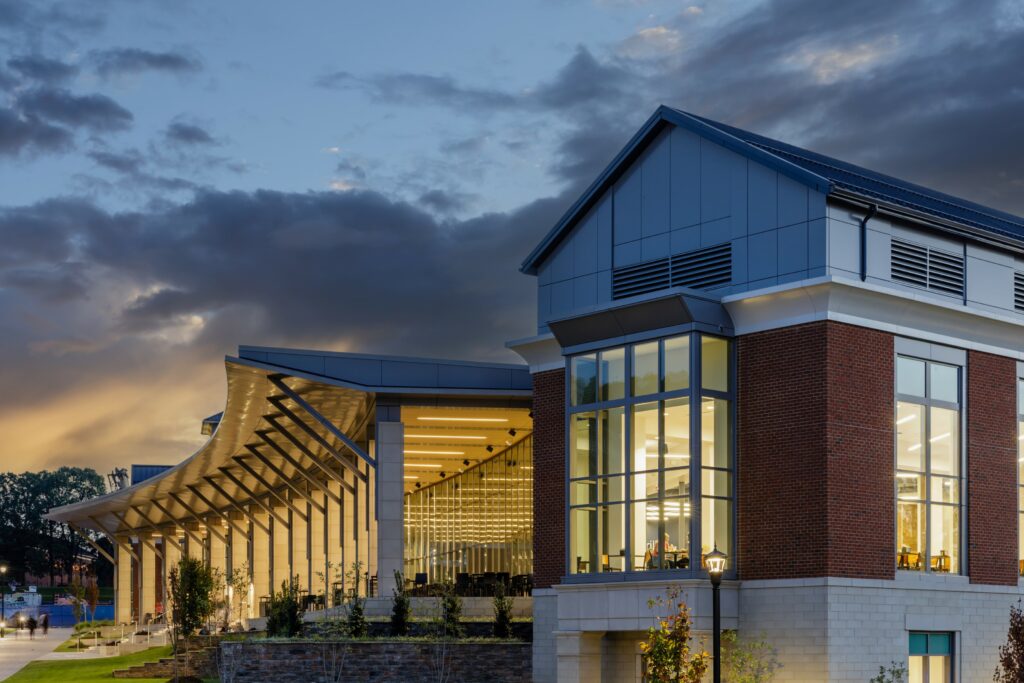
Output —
<point x="463" y="419"/>
<point x="411" y="476"/>
<point x="940" y="437"/>
<point x="435" y="452"/>
<point x="444" y="436"/>
<point x="906" y="419"/>
<point x="424" y="464"/>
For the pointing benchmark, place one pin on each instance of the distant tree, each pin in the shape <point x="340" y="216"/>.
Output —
<point x="92" y="598"/>
<point x="502" y="613"/>
<point x="400" y="611"/>
<point x="1011" y="654"/>
<point x="666" y="655"/>
<point x="77" y="599"/>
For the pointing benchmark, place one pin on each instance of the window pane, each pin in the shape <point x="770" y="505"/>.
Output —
<point x="715" y="447"/>
<point x="1020" y="453"/>
<point x="939" y="669"/>
<point x="582" y="441"/>
<point x="583" y="492"/>
<point x="714" y="363"/>
<point x="910" y="535"/>
<point x="613" y="374"/>
<point x="1020" y="544"/>
<point x="945" y="489"/>
<point x="645" y="485"/>
<point x="715" y="483"/>
<point x="716" y="527"/>
<point x="945" y="538"/>
<point x="677" y="363"/>
<point x="945" y="441"/>
<point x="611" y="489"/>
<point x="945" y="382"/>
<point x="938" y="644"/>
<point x="915" y="671"/>
<point x="910" y="376"/>
<point x="584" y="379"/>
<point x="675" y="542"/>
<point x="910" y="436"/>
<point x="645" y="437"/>
<point x="910" y="486"/>
<point x="645" y="369"/>
<point x="918" y="643"/>
<point x="647" y="518"/>
<point x="677" y="482"/>
<point x="582" y="540"/>
<point x="613" y="441"/>
<point x="612" y="538"/>
<point x="677" y="432"/>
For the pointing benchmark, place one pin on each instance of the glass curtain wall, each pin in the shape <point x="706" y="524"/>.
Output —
<point x="477" y="522"/>
<point x="929" y="482"/>
<point x="635" y="469"/>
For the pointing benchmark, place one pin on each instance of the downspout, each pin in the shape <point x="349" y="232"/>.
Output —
<point x="872" y="210"/>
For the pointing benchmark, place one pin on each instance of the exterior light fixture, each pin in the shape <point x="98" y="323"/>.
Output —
<point x="714" y="563"/>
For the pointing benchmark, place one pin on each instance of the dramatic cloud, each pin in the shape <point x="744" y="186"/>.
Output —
<point x="94" y="112"/>
<point x="188" y="134"/>
<point x="42" y="69"/>
<point x="131" y="60"/>
<point x="19" y="133"/>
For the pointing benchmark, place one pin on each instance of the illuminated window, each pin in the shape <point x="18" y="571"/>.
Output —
<point x="931" y="658"/>
<point x="929" y="481"/>
<point x="635" y="471"/>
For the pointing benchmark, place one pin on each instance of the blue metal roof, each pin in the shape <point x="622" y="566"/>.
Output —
<point x="824" y="174"/>
<point x="141" y="473"/>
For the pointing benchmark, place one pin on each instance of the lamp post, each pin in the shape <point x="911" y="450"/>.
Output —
<point x="714" y="562"/>
<point x="3" y="599"/>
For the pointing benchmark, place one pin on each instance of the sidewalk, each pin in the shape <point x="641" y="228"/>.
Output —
<point x="16" y="652"/>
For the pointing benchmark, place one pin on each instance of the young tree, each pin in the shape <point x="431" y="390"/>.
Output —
<point x="894" y="674"/>
<point x="1011" y="654"/>
<point x="284" y="614"/>
<point x="239" y="583"/>
<point x="355" y="608"/>
<point x="502" y="613"/>
<point x="666" y="655"/>
<point x="753" y="661"/>
<point x="77" y="600"/>
<point x="400" y="610"/>
<point x="451" y="612"/>
<point x="92" y="598"/>
<point x="192" y="601"/>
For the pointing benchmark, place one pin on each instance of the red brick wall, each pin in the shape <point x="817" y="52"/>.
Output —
<point x="549" y="462"/>
<point x="815" y="458"/>
<point x="992" y="468"/>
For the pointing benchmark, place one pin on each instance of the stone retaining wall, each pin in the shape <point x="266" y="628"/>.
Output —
<point x="377" y="661"/>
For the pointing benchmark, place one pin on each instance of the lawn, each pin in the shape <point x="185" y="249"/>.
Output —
<point x="87" y="670"/>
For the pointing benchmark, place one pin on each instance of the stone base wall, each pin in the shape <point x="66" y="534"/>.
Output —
<point x="521" y="630"/>
<point x="202" y="662"/>
<point x="545" y="623"/>
<point x="378" y="661"/>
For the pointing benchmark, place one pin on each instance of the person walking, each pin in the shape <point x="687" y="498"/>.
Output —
<point x="45" y="623"/>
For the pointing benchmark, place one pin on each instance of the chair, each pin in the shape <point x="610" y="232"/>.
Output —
<point x="462" y="584"/>
<point x="648" y="560"/>
<point x="582" y="566"/>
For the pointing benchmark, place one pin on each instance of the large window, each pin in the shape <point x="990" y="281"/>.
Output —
<point x="931" y="658"/>
<point x="1020" y="476"/>
<point x="650" y="432"/>
<point x="929" y="482"/>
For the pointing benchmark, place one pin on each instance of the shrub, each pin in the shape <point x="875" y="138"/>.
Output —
<point x="451" y="612"/>
<point x="748" y="661"/>
<point x="1011" y="654"/>
<point x="400" y="611"/>
<point x="355" y="620"/>
<point x="666" y="655"/>
<point x="502" y="613"/>
<point x="284" y="614"/>
<point x="894" y="674"/>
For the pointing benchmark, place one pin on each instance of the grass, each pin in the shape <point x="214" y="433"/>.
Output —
<point x="88" y="670"/>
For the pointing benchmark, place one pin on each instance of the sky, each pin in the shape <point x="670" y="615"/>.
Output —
<point x="180" y="178"/>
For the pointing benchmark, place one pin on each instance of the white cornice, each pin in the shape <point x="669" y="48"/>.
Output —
<point x="541" y="352"/>
<point x="920" y="316"/>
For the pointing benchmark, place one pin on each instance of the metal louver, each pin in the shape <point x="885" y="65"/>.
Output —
<point x="1018" y="290"/>
<point x="701" y="269"/>
<point x="931" y="269"/>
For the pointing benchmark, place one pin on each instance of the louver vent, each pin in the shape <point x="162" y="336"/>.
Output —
<point x="928" y="268"/>
<point x="702" y="269"/>
<point x="1018" y="290"/>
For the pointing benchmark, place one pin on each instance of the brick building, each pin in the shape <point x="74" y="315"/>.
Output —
<point x="808" y="365"/>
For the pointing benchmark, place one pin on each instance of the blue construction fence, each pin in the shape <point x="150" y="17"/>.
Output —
<point x="62" y="616"/>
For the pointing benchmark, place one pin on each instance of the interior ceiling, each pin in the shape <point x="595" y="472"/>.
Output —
<point x="442" y="439"/>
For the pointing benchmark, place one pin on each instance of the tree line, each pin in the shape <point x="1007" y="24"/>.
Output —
<point x="31" y="544"/>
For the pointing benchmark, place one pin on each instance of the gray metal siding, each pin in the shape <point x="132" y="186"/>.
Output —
<point x="682" y="194"/>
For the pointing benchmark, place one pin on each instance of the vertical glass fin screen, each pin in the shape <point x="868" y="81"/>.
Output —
<point x="476" y="522"/>
<point x="651" y="455"/>
<point x="929" y="479"/>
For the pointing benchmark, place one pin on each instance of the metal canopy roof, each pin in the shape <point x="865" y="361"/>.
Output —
<point x="310" y="406"/>
<point x="824" y="174"/>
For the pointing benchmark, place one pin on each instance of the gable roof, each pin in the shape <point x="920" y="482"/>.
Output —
<point x="822" y="173"/>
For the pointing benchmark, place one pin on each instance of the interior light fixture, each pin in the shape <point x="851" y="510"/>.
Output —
<point x="463" y="419"/>
<point x="466" y="463"/>
<point x="512" y="432"/>
<point x="915" y="447"/>
<point x="411" y="476"/>
<point x="940" y="437"/>
<point x="445" y="436"/>
<point x="906" y="419"/>
<point x="435" y="452"/>
<point x="425" y="464"/>
<point x="490" y="448"/>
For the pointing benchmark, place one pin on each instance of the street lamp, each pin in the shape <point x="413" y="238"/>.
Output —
<point x="714" y="562"/>
<point x="3" y="599"/>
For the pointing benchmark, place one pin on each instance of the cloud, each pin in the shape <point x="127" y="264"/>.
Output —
<point x="400" y="88"/>
<point x="132" y="61"/>
<point x="19" y="134"/>
<point x="182" y="133"/>
<point x="93" y="112"/>
<point x="655" y="42"/>
<point x="43" y="69"/>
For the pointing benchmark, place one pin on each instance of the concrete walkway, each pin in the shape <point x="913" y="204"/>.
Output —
<point x="16" y="652"/>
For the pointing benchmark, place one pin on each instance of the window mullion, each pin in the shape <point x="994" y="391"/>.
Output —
<point x="696" y="502"/>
